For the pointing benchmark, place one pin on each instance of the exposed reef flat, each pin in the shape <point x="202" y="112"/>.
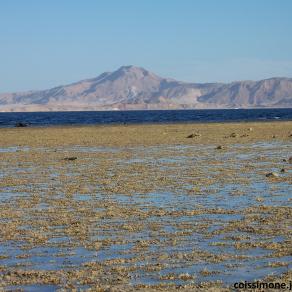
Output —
<point x="147" y="135"/>
<point x="145" y="207"/>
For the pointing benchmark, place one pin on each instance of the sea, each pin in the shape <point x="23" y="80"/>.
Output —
<point x="70" y="118"/>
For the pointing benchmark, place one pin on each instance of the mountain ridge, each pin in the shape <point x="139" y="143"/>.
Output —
<point x="131" y="87"/>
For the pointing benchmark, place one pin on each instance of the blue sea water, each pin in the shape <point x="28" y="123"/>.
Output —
<point x="142" y="117"/>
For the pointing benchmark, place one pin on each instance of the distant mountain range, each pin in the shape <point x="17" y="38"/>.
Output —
<point x="132" y="87"/>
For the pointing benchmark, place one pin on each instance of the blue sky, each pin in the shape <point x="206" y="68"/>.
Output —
<point x="51" y="42"/>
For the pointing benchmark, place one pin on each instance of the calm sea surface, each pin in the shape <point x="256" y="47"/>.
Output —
<point x="142" y="117"/>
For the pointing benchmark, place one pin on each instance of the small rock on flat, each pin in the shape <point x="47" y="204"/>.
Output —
<point x="194" y="135"/>
<point x="70" y="158"/>
<point x="272" y="174"/>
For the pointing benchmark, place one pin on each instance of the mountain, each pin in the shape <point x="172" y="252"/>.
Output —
<point x="132" y="87"/>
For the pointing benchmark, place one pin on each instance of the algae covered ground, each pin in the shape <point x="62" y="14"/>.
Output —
<point x="196" y="207"/>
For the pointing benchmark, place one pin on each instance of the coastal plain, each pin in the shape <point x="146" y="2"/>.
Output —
<point x="157" y="207"/>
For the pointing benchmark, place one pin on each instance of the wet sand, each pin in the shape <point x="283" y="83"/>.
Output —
<point x="143" y="207"/>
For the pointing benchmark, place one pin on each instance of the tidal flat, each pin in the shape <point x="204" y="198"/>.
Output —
<point x="195" y="207"/>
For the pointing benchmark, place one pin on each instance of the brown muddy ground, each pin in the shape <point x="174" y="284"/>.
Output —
<point x="143" y="207"/>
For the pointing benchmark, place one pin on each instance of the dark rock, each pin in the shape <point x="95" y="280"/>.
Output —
<point x="20" y="125"/>
<point x="70" y="158"/>
<point x="283" y="170"/>
<point x="220" y="147"/>
<point x="234" y="135"/>
<point x="272" y="174"/>
<point x="194" y="135"/>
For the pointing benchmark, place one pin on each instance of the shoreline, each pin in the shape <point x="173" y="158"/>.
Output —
<point x="149" y="123"/>
<point x="143" y="109"/>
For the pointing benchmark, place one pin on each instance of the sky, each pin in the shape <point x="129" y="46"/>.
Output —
<point x="52" y="42"/>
